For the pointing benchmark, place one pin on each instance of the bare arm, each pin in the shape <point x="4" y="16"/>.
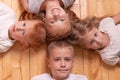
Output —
<point x="116" y="18"/>
<point x="25" y="4"/>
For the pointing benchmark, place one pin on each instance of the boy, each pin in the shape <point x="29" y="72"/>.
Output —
<point x="60" y="61"/>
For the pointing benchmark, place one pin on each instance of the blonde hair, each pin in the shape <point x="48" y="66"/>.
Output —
<point x="82" y="27"/>
<point x="60" y="44"/>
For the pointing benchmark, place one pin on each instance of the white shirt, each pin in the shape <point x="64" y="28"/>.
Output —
<point x="46" y="76"/>
<point x="7" y="18"/>
<point x="34" y="5"/>
<point x="111" y="53"/>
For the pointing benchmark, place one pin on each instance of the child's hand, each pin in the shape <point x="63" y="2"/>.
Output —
<point x="116" y="18"/>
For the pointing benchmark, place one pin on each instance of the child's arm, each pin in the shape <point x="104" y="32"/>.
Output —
<point x="116" y="18"/>
<point x="25" y="4"/>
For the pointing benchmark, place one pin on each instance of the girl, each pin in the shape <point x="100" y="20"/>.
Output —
<point x="28" y="32"/>
<point x="56" y="19"/>
<point x="100" y="34"/>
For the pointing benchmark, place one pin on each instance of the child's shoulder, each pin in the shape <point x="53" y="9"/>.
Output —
<point x="77" y="77"/>
<point x="43" y="76"/>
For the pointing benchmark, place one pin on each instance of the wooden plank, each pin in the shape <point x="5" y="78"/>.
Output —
<point x="7" y="66"/>
<point x="114" y="73"/>
<point x="76" y="8"/>
<point x="7" y="2"/>
<point x="16" y="62"/>
<point x="91" y="9"/>
<point x="16" y="6"/>
<point x="42" y="56"/>
<point x="38" y="60"/>
<point x="104" y="70"/>
<point x="1" y="71"/>
<point x="33" y="63"/>
<point x="92" y="65"/>
<point x="25" y="61"/>
<point x="20" y="62"/>
<point x="83" y="9"/>
<point x="78" y="63"/>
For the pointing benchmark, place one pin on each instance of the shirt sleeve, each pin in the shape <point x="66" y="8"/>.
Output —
<point x="106" y="22"/>
<point x="4" y="48"/>
<point x="34" y="6"/>
<point x="8" y="14"/>
<point x="68" y="3"/>
<point x="81" y="77"/>
<point x="111" y="59"/>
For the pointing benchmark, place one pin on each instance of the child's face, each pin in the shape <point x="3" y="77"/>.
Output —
<point x="20" y="31"/>
<point x="95" y="40"/>
<point x="60" y="62"/>
<point x="57" y="21"/>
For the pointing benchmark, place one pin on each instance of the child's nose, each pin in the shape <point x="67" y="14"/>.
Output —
<point x="19" y="28"/>
<point x="56" y="15"/>
<point x="62" y="63"/>
<point x="98" y="41"/>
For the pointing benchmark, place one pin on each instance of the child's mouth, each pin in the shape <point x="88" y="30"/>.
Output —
<point x="13" y="28"/>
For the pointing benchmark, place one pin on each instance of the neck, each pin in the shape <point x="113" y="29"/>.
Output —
<point x="57" y="78"/>
<point x="9" y="34"/>
<point x="107" y="39"/>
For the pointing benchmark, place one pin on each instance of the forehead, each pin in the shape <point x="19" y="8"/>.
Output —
<point x="89" y="35"/>
<point x="61" y="52"/>
<point x="31" y="22"/>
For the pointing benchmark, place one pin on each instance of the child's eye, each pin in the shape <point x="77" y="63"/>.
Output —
<point x="56" y="59"/>
<point x="91" y="42"/>
<point x="23" y="32"/>
<point x="62" y="19"/>
<point x="24" y="24"/>
<point x="52" y="21"/>
<point x="68" y="59"/>
<point x="96" y="34"/>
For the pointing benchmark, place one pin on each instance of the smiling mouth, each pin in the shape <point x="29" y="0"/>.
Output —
<point x="101" y="43"/>
<point x="101" y="46"/>
<point x="63" y="70"/>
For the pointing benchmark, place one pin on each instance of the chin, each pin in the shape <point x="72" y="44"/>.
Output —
<point x="63" y="76"/>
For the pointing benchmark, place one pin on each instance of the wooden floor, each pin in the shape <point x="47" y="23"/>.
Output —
<point x="21" y="63"/>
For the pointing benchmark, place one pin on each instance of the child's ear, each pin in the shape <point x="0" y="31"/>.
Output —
<point x="48" y="62"/>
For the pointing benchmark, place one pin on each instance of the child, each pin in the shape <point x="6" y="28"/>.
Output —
<point x="29" y="32"/>
<point x="56" y="19"/>
<point x="37" y="6"/>
<point x="60" y="61"/>
<point x="102" y="36"/>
